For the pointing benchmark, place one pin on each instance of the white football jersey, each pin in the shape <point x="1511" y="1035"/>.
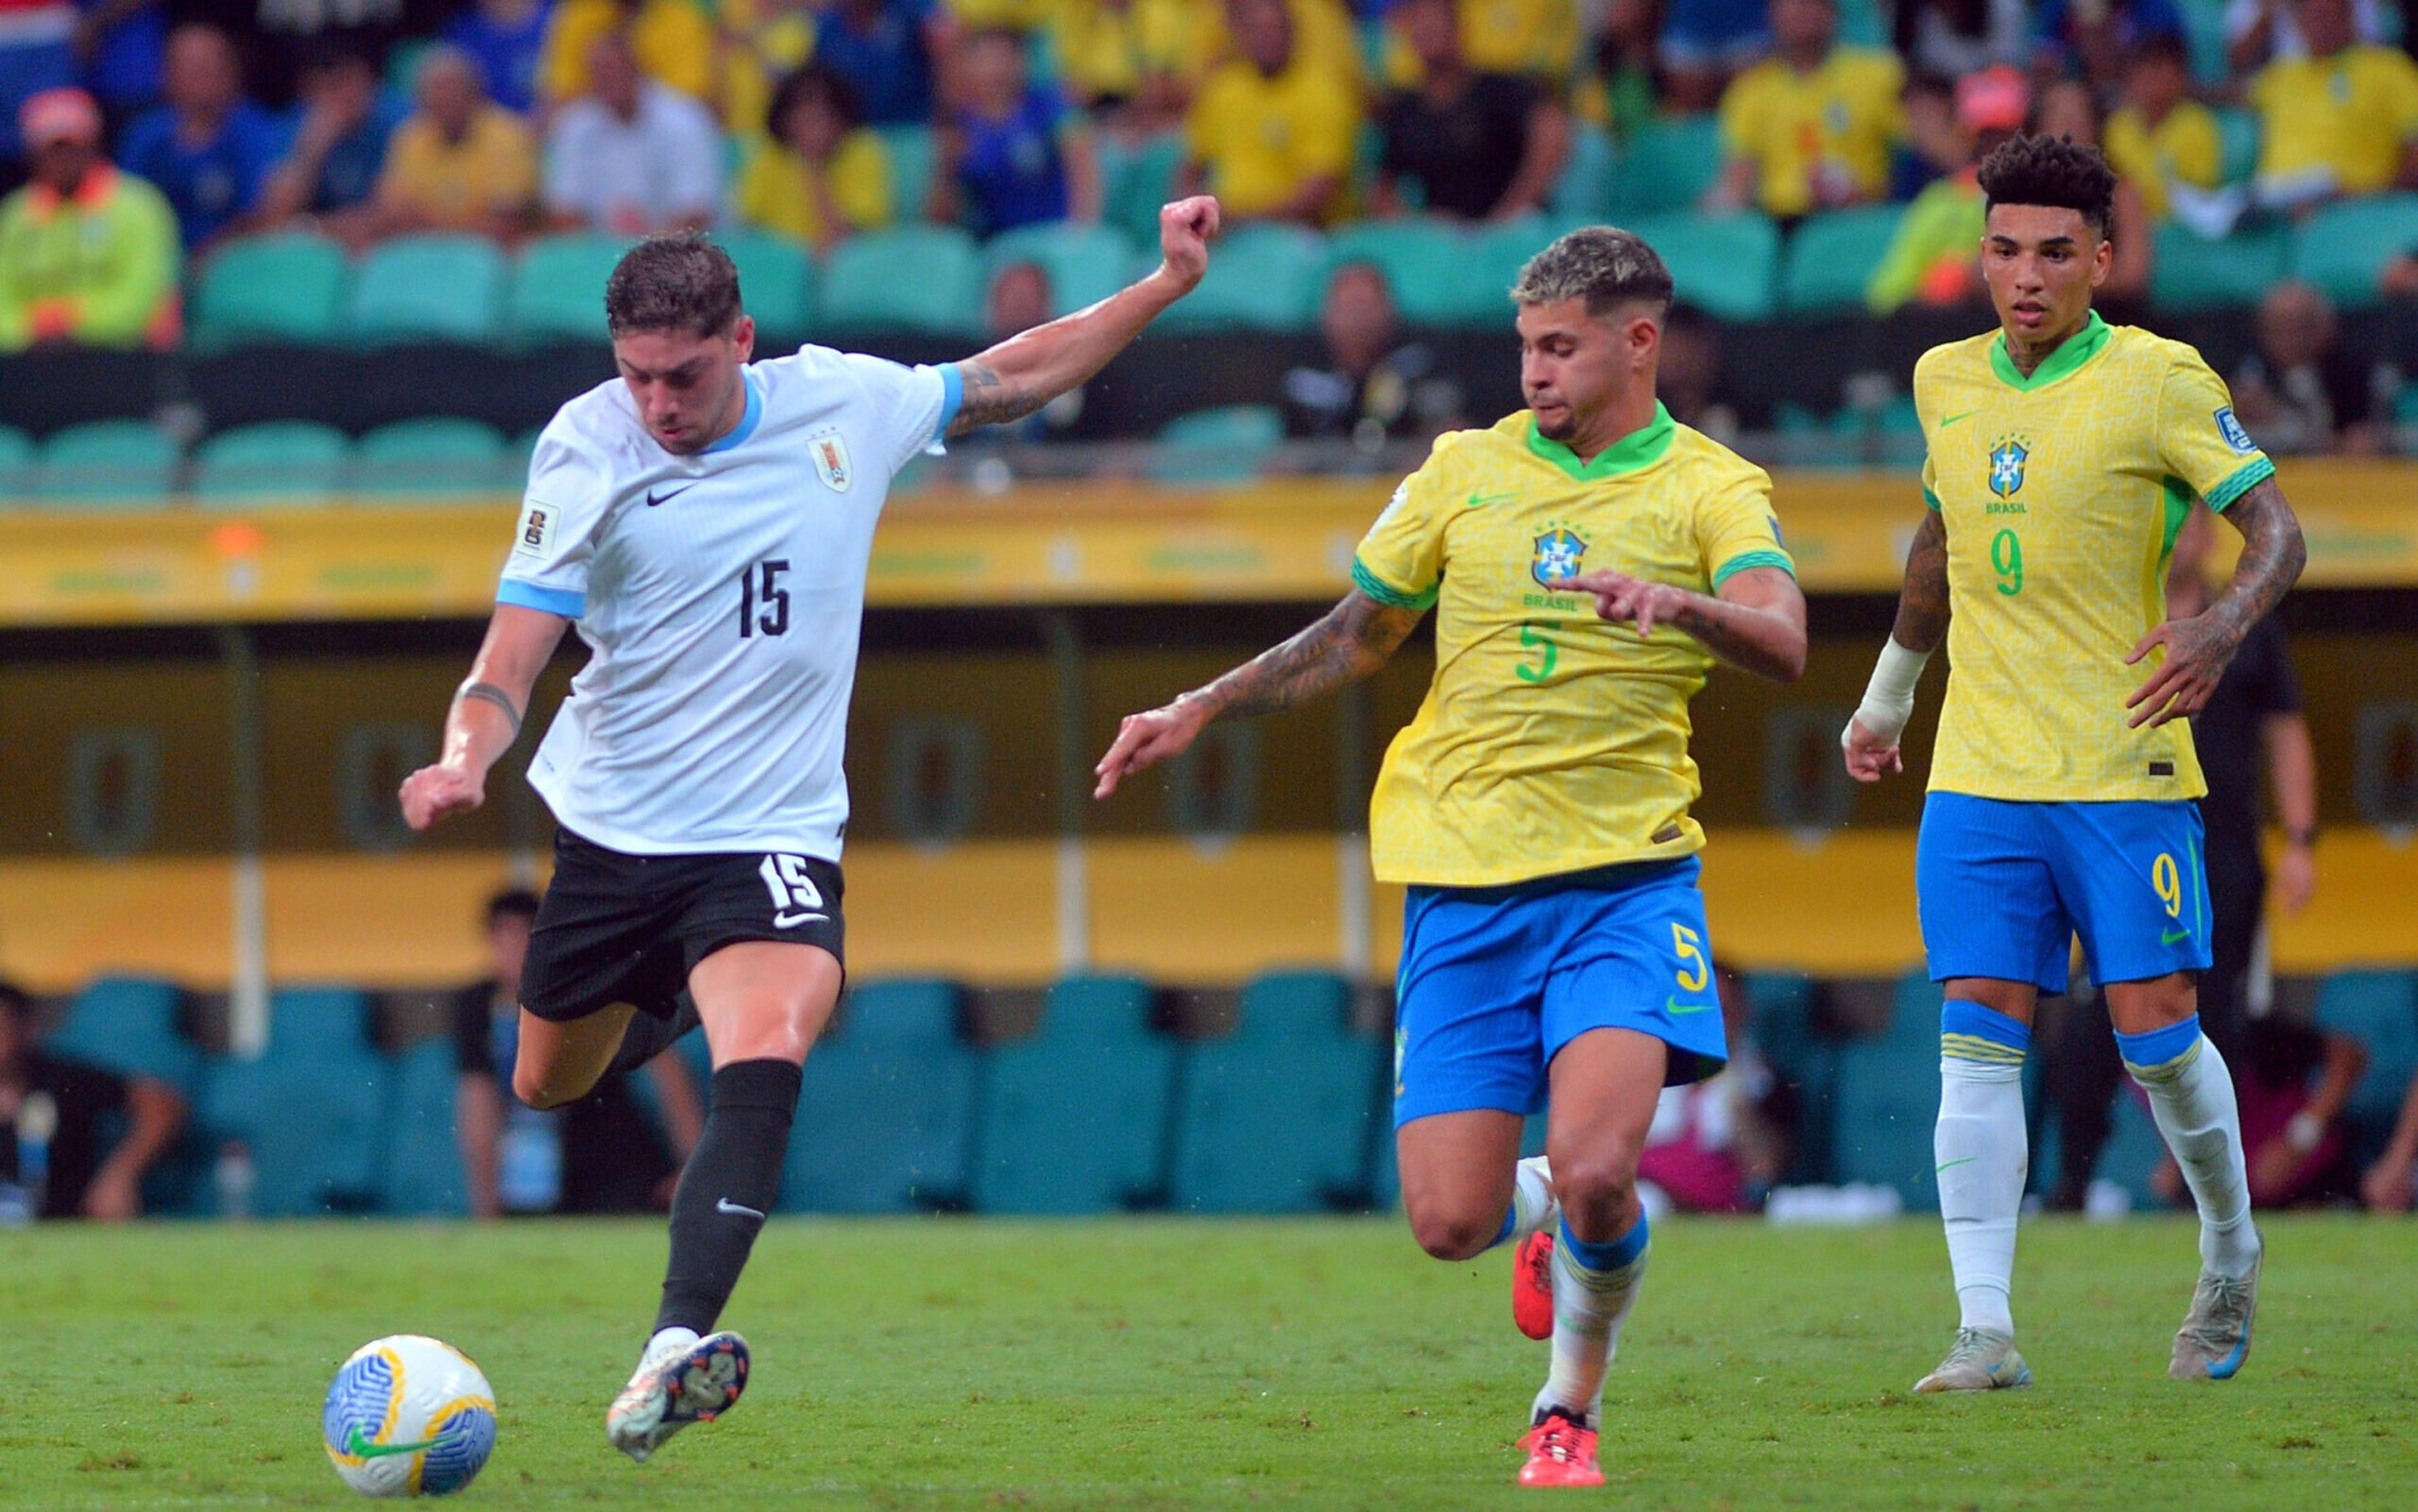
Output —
<point x="722" y="595"/>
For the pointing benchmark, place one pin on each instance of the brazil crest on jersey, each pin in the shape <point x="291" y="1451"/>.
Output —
<point x="2061" y="493"/>
<point x="1549" y="741"/>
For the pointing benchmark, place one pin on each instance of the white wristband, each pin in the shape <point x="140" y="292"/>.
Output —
<point x="1888" y="698"/>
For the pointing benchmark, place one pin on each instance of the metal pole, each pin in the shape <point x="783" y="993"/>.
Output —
<point x="248" y="992"/>
<point x="1067" y="707"/>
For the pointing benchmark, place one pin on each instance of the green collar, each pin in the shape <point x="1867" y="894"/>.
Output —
<point x="2071" y="355"/>
<point x="1636" y="449"/>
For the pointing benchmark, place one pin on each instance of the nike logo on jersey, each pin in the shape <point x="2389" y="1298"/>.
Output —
<point x="2171" y="936"/>
<point x="1675" y="1007"/>
<point x="1953" y="419"/>
<point x="791" y="920"/>
<point x="359" y="1447"/>
<point x="1479" y="501"/>
<point x="726" y="1205"/>
<point x="654" y="499"/>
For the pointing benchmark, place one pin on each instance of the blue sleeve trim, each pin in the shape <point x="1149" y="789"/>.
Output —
<point x="953" y="395"/>
<point x="2240" y="483"/>
<point x="1745" y="559"/>
<point x="1387" y="593"/>
<point x="553" y="601"/>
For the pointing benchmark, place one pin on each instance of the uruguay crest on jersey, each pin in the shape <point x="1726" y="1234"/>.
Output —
<point x="829" y="453"/>
<point x="1559" y="551"/>
<point x="2006" y="461"/>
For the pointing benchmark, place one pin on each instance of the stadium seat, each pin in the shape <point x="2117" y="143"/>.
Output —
<point x="1831" y="259"/>
<point x="116" y="462"/>
<point x="1888" y="436"/>
<point x="2191" y="272"/>
<point x="558" y="288"/>
<point x="308" y="1108"/>
<point x="1583" y="193"/>
<point x="438" y="288"/>
<point x="438" y="454"/>
<point x="1423" y="260"/>
<point x="16" y="464"/>
<point x="1225" y="445"/>
<point x="1491" y="257"/>
<point x="776" y="283"/>
<point x="886" y="1117"/>
<point x="1262" y="277"/>
<point x="1888" y="1098"/>
<point x="128" y="1025"/>
<point x="1726" y="265"/>
<point x="2379" y="1009"/>
<point x="924" y="278"/>
<point x="1075" y="1119"/>
<point x="419" y="1167"/>
<point x="1805" y="1063"/>
<point x="284" y="287"/>
<point x="913" y="151"/>
<point x="2237" y="132"/>
<point x="1276" y="1117"/>
<point x="290" y="461"/>
<point x="2343" y="248"/>
<point x="1086" y="263"/>
<point x="1136" y="181"/>
<point x="1667" y="164"/>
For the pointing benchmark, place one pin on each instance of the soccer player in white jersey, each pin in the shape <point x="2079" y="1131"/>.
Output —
<point x="705" y="522"/>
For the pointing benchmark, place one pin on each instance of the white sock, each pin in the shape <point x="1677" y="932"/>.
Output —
<point x="1589" y="1306"/>
<point x="668" y="1338"/>
<point x="1533" y="1208"/>
<point x="1980" y="1146"/>
<point x="2191" y="1096"/>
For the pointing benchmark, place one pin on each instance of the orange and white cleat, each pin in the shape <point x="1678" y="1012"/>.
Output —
<point x="1561" y="1452"/>
<point x="1532" y="1284"/>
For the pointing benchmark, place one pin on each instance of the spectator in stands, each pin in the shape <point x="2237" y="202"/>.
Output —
<point x="669" y="41"/>
<point x="1536" y="40"/>
<point x="1809" y="127"/>
<point x="2161" y="139"/>
<point x="2292" y="1089"/>
<point x="1480" y="146"/>
<point x="53" y="1160"/>
<point x="1013" y="153"/>
<point x="635" y="157"/>
<point x="331" y="169"/>
<point x="1271" y="133"/>
<point x="2391" y="1184"/>
<point x="1374" y="387"/>
<point x="118" y="47"/>
<point x="1628" y="66"/>
<point x="884" y="48"/>
<point x="2258" y="32"/>
<point x="1930" y="144"/>
<point x="1717" y="1146"/>
<point x="508" y="40"/>
<point x="1954" y="37"/>
<point x="1707" y="43"/>
<point x="462" y="163"/>
<point x="1020" y="297"/>
<point x="2342" y="120"/>
<point x="1129" y="62"/>
<point x="208" y="149"/>
<point x="816" y="175"/>
<point x="88" y="254"/>
<point x="2070" y="108"/>
<point x="1934" y="256"/>
<point x="761" y="43"/>
<point x="2092" y="38"/>
<point x="1687" y="375"/>
<point x="2298" y="391"/>
<point x="37" y="55"/>
<point x="600" y="1155"/>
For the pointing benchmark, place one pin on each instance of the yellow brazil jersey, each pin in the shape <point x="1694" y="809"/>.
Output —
<point x="1263" y="138"/>
<point x="2349" y="116"/>
<point x="1551" y="741"/>
<point x="1836" y="122"/>
<point x="2184" y="147"/>
<point x="2061" y="494"/>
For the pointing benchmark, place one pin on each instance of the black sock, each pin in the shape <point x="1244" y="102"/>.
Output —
<point x="648" y="1036"/>
<point x="730" y="1182"/>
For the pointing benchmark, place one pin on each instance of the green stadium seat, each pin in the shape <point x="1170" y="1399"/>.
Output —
<point x="1278" y="1116"/>
<point x="1226" y="445"/>
<point x="1583" y="193"/>
<point x="2191" y="272"/>
<point x="776" y="283"/>
<point x="130" y="1025"/>
<point x="924" y="278"/>
<point x="1725" y="264"/>
<point x="1801" y="1061"/>
<point x="2237" y="132"/>
<point x="117" y="463"/>
<point x="913" y="151"/>
<point x="291" y="461"/>
<point x="308" y="1108"/>
<point x="1492" y="258"/>
<point x="1887" y="1099"/>
<point x="16" y="462"/>
<point x="284" y="287"/>
<point x="2204" y="38"/>
<point x="558" y="288"/>
<point x="1136" y="181"/>
<point x="439" y="454"/>
<point x="1668" y="164"/>
<point x="1889" y="436"/>
<point x="1086" y="263"/>
<point x="2379" y="1009"/>
<point x="1262" y="277"/>
<point x="1831" y="257"/>
<point x="885" y="1121"/>
<point x="1075" y="1119"/>
<point x="436" y="288"/>
<point x="1423" y="260"/>
<point x="2344" y="247"/>
<point x="419" y="1166"/>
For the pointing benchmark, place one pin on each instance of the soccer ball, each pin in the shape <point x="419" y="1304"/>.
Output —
<point x="408" y="1416"/>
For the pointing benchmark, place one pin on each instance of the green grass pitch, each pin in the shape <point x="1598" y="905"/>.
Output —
<point x="1171" y="1363"/>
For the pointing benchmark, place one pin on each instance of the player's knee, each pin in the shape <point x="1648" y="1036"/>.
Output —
<point x="530" y="1086"/>
<point x="1448" y="1235"/>
<point x="1598" y="1189"/>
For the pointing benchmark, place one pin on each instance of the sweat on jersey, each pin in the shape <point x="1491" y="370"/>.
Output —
<point x="721" y="594"/>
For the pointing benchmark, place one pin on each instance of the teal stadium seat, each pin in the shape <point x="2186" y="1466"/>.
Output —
<point x="2204" y="39"/>
<point x="130" y="1025"/>
<point x="1725" y="264"/>
<point x="16" y="465"/>
<point x="1135" y="181"/>
<point x="290" y="462"/>
<point x="1888" y="1098"/>
<point x="1491" y="257"/>
<point x="2344" y="247"/>
<point x="886" y="1118"/>
<point x="420" y="1167"/>
<point x="1278" y="1116"/>
<point x="913" y="151"/>
<point x="1831" y="259"/>
<point x="2191" y="272"/>
<point x="776" y="283"/>
<point x="107" y="463"/>
<point x="1806" y="1063"/>
<point x="1223" y="446"/>
<point x="434" y="288"/>
<point x="310" y="1107"/>
<point x="438" y="454"/>
<point x="287" y="287"/>
<point x="1423" y="261"/>
<point x="2237" y="132"/>
<point x="2379" y="1009"/>
<point x="1075" y="1119"/>
<point x="923" y="278"/>
<point x="558" y="288"/>
<point x="1086" y="263"/>
<point x="1262" y="277"/>
<point x="1668" y="164"/>
<point x="1583" y="193"/>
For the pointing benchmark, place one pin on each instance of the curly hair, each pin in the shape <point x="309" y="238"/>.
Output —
<point x="1605" y="266"/>
<point x="2054" y="171"/>
<point x="677" y="280"/>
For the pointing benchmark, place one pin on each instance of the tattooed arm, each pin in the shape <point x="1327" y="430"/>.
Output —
<point x="2198" y="648"/>
<point x="1356" y="638"/>
<point x="1015" y="378"/>
<point x="1922" y="603"/>
<point x="1756" y="621"/>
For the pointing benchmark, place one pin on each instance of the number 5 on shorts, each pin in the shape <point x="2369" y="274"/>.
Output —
<point x="1689" y="948"/>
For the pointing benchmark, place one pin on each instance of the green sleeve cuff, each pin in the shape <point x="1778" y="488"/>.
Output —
<point x="1385" y="593"/>
<point x="1930" y="501"/>
<point x="1745" y="559"/>
<point x="2240" y="483"/>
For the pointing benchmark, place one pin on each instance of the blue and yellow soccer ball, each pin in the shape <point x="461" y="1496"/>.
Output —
<point x="409" y="1416"/>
